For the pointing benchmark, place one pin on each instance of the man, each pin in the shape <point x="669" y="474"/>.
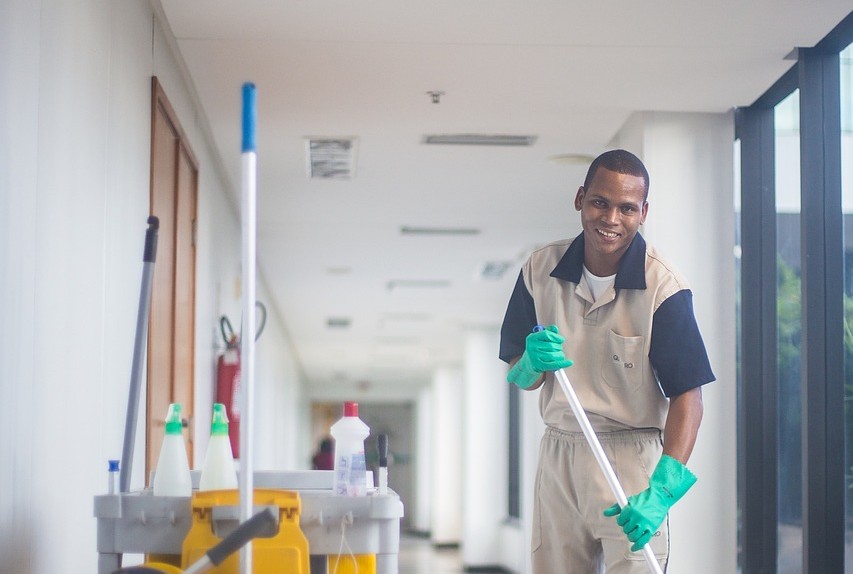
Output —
<point x="626" y="316"/>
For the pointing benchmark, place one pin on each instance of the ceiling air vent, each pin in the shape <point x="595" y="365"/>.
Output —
<point x="479" y="139"/>
<point x="331" y="158"/>
<point x="494" y="270"/>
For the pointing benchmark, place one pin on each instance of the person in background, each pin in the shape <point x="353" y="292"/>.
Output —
<point x="324" y="459"/>
<point x="625" y="315"/>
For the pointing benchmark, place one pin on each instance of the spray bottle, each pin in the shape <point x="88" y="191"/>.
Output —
<point x="173" y="470"/>
<point x="218" y="472"/>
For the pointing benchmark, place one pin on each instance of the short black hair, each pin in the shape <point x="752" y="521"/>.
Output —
<point x="620" y="161"/>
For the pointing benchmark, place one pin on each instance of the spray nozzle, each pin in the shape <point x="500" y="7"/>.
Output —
<point x="219" y="422"/>
<point x="174" y="425"/>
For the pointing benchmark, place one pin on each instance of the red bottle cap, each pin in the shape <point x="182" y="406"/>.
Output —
<point x="350" y="409"/>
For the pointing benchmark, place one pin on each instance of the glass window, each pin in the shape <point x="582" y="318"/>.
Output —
<point x="846" y="62"/>
<point x="789" y="328"/>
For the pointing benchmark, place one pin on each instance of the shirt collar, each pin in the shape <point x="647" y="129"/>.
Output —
<point x="632" y="268"/>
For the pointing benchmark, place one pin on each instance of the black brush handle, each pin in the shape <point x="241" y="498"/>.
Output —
<point x="382" y="441"/>
<point x="150" y="253"/>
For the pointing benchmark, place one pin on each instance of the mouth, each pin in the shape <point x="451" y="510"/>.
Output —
<point x="608" y="235"/>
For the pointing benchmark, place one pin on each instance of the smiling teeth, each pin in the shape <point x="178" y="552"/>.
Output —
<point x="608" y="234"/>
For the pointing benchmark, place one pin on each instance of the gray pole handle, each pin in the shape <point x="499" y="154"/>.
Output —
<point x="149" y="255"/>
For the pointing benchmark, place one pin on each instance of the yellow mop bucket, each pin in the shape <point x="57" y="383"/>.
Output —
<point x="284" y="551"/>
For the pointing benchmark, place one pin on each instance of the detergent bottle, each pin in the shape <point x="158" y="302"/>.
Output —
<point x="350" y="466"/>
<point x="218" y="472"/>
<point x="173" y="470"/>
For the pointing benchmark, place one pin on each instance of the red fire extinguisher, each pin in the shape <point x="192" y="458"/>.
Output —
<point x="228" y="376"/>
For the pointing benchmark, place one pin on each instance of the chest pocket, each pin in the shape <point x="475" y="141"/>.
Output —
<point x="624" y="362"/>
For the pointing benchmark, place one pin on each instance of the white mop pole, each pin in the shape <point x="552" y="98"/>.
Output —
<point x="603" y="462"/>
<point x="247" y="351"/>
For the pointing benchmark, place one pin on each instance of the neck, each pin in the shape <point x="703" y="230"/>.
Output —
<point x="601" y="268"/>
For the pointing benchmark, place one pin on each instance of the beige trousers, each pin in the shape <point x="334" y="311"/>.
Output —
<point x="570" y="533"/>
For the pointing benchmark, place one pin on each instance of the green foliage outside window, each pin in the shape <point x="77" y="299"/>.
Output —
<point x="789" y="344"/>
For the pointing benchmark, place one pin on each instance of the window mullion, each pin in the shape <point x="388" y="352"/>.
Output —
<point x="758" y="435"/>
<point x="822" y="292"/>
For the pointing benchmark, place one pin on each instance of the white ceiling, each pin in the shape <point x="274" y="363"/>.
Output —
<point x="567" y="72"/>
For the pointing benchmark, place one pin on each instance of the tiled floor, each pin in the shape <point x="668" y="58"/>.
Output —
<point x="417" y="556"/>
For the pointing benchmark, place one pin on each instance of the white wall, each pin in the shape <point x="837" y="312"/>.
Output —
<point x="691" y="220"/>
<point x="19" y="35"/>
<point x="446" y="517"/>
<point x="420" y="514"/>
<point x="514" y="535"/>
<point x="74" y="189"/>
<point x="485" y="458"/>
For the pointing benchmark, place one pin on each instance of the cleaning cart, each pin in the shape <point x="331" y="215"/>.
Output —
<point x="314" y="528"/>
<point x="141" y="523"/>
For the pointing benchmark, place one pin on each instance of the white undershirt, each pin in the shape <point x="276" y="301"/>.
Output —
<point x="598" y="285"/>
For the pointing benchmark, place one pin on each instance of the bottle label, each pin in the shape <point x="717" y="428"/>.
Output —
<point x="350" y="475"/>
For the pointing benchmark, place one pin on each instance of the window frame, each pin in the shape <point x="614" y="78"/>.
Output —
<point x="816" y="75"/>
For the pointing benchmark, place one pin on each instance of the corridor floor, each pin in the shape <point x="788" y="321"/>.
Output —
<point x="417" y="556"/>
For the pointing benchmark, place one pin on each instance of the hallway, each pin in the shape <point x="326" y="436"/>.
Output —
<point x="417" y="556"/>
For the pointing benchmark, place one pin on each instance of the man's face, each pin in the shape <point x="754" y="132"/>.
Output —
<point x="612" y="209"/>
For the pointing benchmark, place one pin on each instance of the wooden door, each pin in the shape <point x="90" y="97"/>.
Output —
<point x="174" y="188"/>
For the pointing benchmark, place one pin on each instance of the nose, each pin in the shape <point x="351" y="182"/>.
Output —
<point x="611" y="216"/>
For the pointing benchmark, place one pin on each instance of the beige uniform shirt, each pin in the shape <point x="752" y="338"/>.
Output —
<point x="634" y="346"/>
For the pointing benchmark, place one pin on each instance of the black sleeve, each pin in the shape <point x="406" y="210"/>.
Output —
<point x="677" y="352"/>
<point x="518" y="322"/>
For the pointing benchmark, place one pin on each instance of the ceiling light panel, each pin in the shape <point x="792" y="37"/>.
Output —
<point x="410" y="230"/>
<point x="417" y="284"/>
<point x="480" y="139"/>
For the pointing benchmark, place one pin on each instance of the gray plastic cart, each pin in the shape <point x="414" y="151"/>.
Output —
<point x="141" y="523"/>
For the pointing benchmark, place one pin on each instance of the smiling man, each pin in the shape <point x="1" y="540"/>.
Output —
<point x="625" y="316"/>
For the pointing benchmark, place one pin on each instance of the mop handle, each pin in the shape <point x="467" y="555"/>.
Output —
<point x="247" y="351"/>
<point x="149" y="255"/>
<point x="603" y="462"/>
<point x="606" y="468"/>
<point x="256" y="525"/>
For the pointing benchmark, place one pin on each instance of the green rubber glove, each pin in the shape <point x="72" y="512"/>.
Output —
<point x="647" y="510"/>
<point x="543" y="351"/>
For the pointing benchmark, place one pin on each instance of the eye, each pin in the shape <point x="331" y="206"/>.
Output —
<point x="599" y="203"/>
<point x="628" y="209"/>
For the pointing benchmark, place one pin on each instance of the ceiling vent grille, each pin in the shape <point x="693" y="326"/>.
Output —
<point x="338" y="322"/>
<point x="479" y="139"/>
<point x="331" y="158"/>
<point x="495" y="270"/>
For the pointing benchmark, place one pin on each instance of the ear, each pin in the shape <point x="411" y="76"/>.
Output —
<point x="644" y="212"/>
<point x="579" y="198"/>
